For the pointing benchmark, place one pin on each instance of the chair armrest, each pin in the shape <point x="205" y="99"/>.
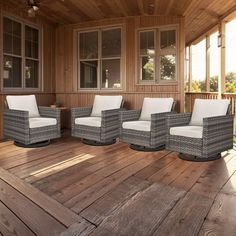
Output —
<point x="218" y="125"/>
<point x="129" y="115"/>
<point x="109" y="117"/>
<point x="158" y="120"/>
<point x="177" y="119"/>
<point x="16" y="119"/>
<point x="49" y="112"/>
<point x="80" y="112"/>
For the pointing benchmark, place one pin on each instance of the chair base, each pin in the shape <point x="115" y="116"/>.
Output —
<point x="145" y="149"/>
<point x="33" y="145"/>
<point x="96" y="143"/>
<point x="187" y="157"/>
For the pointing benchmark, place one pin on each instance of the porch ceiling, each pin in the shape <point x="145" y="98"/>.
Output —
<point x="199" y="14"/>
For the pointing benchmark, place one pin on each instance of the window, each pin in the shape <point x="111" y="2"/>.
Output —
<point x="147" y="56"/>
<point x="20" y="55"/>
<point x="100" y="59"/>
<point x="199" y="66"/>
<point x="157" y="56"/>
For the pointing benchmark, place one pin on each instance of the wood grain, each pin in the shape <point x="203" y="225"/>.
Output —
<point x="221" y="218"/>
<point x="143" y="212"/>
<point x="186" y="217"/>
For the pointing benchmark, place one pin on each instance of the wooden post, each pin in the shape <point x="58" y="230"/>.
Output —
<point x="207" y="63"/>
<point x="181" y="63"/>
<point x="221" y="44"/>
<point x="190" y="69"/>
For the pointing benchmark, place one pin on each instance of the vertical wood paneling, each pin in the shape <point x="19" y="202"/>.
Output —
<point x="133" y="94"/>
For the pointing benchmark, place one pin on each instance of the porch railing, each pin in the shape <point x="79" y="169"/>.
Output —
<point x="190" y="97"/>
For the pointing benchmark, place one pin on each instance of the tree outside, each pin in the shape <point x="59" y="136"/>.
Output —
<point x="230" y="84"/>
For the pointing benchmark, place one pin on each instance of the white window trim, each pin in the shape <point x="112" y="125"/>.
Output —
<point x="99" y="59"/>
<point x="158" y="53"/>
<point x="23" y="23"/>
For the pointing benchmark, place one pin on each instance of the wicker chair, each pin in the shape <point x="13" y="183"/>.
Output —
<point x="97" y="125"/>
<point x="204" y="134"/>
<point x="29" y="125"/>
<point x="145" y="129"/>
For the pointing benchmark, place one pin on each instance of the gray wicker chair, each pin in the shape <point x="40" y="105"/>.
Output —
<point x="29" y="125"/>
<point x="97" y="125"/>
<point x="145" y="129"/>
<point x="204" y="134"/>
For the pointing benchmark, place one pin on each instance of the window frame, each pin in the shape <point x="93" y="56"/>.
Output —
<point x="100" y="58"/>
<point x="158" y="53"/>
<point x="23" y="23"/>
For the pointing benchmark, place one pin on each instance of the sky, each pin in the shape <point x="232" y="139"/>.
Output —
<point x="199" y="56"/>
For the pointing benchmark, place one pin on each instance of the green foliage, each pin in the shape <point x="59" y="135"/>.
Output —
<point x="214" y="84"/>
<point x="198" y="86"/>
<point x="168" y="67"/>
<point x="230" y="84"/>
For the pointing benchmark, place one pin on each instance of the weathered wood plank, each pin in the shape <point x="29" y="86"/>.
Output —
<point x="113" y="200"/>
<point x="32" y="215"/>
<point x="52" y="207"/>
<point x="88" y="196"/>
<point x="190" y="175"/>
<point x="221" y="218"/>
<point x="57" y="167"/>
<point x="70" y="193"/>
<point x="11" y="224"/>
<point x="75" y="230"/>
<point x="170" y="172"/>
<point x="230" y="187"/>
<point x="215" y="177"/>
<point x="145" y="173"/>
<point x="186" y="217"/>
<point x="142" y="214"/>
<point x="54" y="183"/>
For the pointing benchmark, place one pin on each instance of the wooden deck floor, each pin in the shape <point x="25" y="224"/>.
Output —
<point x="68" y="188"/>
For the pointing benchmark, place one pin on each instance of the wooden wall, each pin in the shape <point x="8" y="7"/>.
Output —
<point x="47" y="95"/>
<point x="66" y="64"/>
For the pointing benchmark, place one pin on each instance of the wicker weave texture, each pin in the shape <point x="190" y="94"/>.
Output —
<point x="16" y="126"/>
<point x="153" y="139"/>
<point x="108" y="131"/>
<point x="217" y="136"/>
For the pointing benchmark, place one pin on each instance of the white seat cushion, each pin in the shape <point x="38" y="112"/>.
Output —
<point x="140" y="125"/>
<point x="155" y="105"/>
<point x="89" y="121"/>
<point x="187" y="131"/>
<point x="41" y="122"/>
<point x="208" y="108"/>
<point x="102" y="103"/>
<point x="24" y="103"/>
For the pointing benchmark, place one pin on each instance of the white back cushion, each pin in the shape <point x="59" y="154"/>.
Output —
<point x="102" y="103"/>
<point x="24" y="103"/>
<point x="208" y="108"/>
<point x="155" y="105"/>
